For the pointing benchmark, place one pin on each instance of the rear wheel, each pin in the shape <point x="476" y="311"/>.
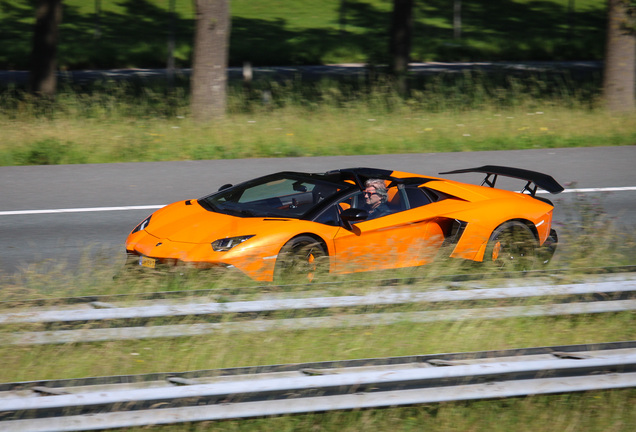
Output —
<point x="512" y="247"/>
<point x="303" y="259"/>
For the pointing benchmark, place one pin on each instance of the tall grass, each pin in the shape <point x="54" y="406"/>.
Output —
<point x="610" y="410"/>
<point x="114" y="121"/>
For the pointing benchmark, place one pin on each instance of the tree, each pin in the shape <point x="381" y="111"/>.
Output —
<point x="400" y="41"/>
<point x="619" y="75"/>
<point x="457" y="19"/>
<point x="209" y="64"/>
<point x="43" y="78"/>
<point x="342" y="16"/>
<point x="170" y="68"/>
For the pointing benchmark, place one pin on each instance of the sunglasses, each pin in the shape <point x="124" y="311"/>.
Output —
<point x="369" y="193"/>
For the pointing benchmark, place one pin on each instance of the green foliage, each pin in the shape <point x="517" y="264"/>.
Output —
<point x="134" y="33"/>
<point x="48" y="151"/>
<point x="145" y="120"/>
<point x="111" y="120"/>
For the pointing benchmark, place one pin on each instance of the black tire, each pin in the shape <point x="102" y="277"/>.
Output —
<point x="512" y="247"/>
<point x="303" y="259"/>
<point x="548" y="248"/>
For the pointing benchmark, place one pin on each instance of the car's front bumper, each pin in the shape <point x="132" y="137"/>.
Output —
<point x="136" y="262"/>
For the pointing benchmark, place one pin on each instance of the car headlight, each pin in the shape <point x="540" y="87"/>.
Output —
<point x="225" y="244"/>
<point x="142" y="226"/>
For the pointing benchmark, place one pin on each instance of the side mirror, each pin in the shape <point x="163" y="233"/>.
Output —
<point x="299" y="187"/>
<point x="354" y="215"/>
<point x="225" y="186"/>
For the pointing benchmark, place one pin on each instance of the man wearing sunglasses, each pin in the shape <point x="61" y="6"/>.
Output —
<point x="375" y="196"/>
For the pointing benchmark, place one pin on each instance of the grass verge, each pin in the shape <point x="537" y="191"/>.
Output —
<point x="124" y="122"/>
<point x="590" y="411"/>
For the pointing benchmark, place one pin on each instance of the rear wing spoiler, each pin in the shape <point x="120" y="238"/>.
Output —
<point x="535" y="179"/>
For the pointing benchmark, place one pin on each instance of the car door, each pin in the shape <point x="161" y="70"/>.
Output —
<point x="399" y="239"/>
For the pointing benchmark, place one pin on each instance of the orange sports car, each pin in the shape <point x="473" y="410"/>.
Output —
<point x="299" y="225"/>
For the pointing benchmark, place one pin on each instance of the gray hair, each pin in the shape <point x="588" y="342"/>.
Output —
<point x="380" y="188"/>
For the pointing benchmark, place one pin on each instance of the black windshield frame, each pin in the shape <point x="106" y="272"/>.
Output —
<point x="309" y="194"/>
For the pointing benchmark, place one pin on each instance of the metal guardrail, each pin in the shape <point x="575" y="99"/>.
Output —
<point x="110" y="311"/>
<point x="609" y="274"/>
<point x="111" y="402"/>
<point x="567" y="299"/>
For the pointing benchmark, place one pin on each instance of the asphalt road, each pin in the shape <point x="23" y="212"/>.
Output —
<point x="57" y="214"/>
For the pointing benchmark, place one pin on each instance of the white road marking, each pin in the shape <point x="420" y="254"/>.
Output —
<point x="590" y="190"/>
<point x="154" y="207"/>
<point x="79" y="210"/>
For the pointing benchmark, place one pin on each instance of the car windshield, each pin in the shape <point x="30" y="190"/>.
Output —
<point x="289" y="195"/>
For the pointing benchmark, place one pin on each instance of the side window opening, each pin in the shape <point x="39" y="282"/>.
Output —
<point x="417" y="197"/>
<point x="399" y="199"/>
<point x="434" y="195"/>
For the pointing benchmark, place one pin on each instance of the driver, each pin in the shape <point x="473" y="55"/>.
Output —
<point x="375" y="196"/>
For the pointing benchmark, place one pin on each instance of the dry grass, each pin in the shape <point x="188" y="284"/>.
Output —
<point x="294" y="132"/>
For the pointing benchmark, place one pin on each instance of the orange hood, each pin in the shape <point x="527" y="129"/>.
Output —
<point x="180" y="222"/>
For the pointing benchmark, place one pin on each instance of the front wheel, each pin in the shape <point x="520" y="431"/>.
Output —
<point x="512" y="247"/>
<point x="303" y="259"/>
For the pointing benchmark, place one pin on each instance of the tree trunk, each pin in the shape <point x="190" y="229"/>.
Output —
<point x="400" y="41"/>
<point x="342" y="16"/>
<point x="620" y="58"/>
<point x="170" y="64"/>
<point x="457" y="19"/>
<point x="209" y="65"/>
<point x="48" y="16"/>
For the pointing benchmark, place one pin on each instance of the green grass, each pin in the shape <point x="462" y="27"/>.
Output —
<point x="591" y="411"/>
<point x="133" y="33"/>
<point x="220" y="350"/>
<point x="125" y="122"/>
<point x="586" y="412"/>
<point x="290" y="133"/>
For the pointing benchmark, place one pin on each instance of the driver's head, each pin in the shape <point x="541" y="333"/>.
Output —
<point x="375" y="192"/>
